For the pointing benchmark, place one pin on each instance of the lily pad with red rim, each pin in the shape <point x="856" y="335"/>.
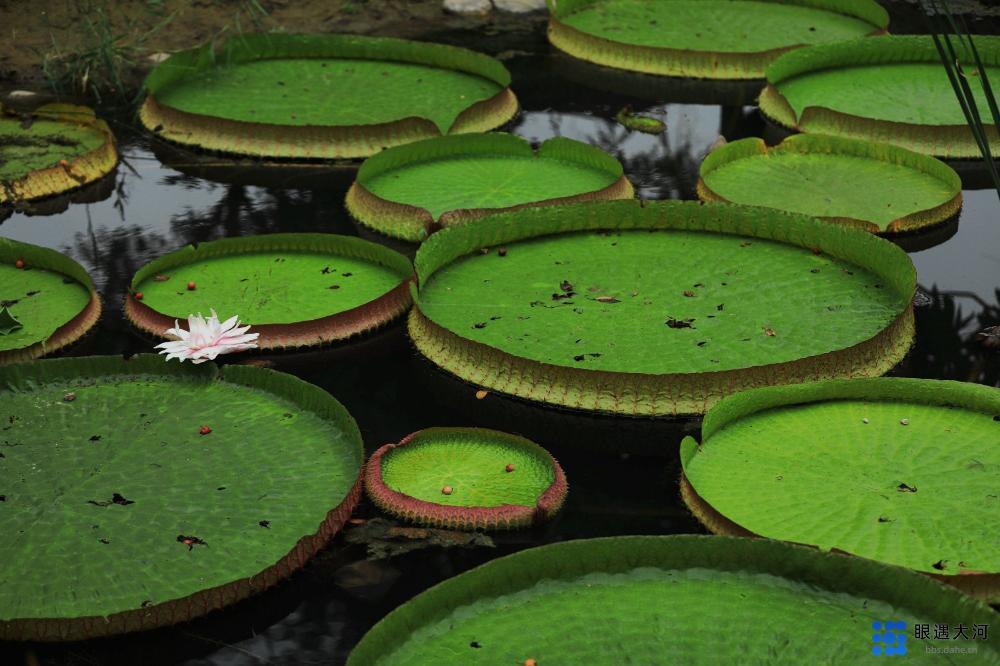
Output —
<point x="658" y="308"/>
<point x="49" y="295"/>
<point x="888" y="90"/>
<point x="879" y="187"/>
<point x="295" y="290"/>
<point x="411" y="190"/>
<point x="682" y="599"/>
<point x="466" y="478"/>
<point x="138" y="494"/>
<point x="905" y="473"/>
<point x="707" y="39"/>
<point x="323" y="96"/>
<point x="52" y="149"/>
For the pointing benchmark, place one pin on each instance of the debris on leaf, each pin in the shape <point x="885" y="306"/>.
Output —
<point x="607" y="299"/>
<point x="8" y="323"/>
<point x="636" y="123"/>
<point x="904" y="488"/>
<point x="679" y="323"/>
<point x="769" y="332"/>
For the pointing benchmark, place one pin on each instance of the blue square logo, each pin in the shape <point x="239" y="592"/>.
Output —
<point x="889" y="638"/>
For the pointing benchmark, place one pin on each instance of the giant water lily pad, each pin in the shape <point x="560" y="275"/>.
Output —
<point x="890" y="90"/>
<point x="295" y="290"/>
<point x="410" y="190"/>
<point x="899" y="459"/>
<point x="49" y="296"/>
<point x="647" y="600"/>
<point x="710" y="39"/>
<point x="879" y="187"/>
<point x="139" y="493"/>
<point x="52" y="149"/>
<point x="466" y="478"/>
<point x="323" y="96"/>
<point x="658" y="308"/>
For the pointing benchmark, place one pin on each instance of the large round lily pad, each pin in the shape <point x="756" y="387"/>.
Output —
<point x="678" y="599"/>
<point x="295" y="290"/>
<point x="890" y="90"/>
<point x="658" y="308"/>
<point x="52" y="149"/>
<point x="410" y="190"/>
<point x="47" y="301"/>
<point x="879" y="187"/>
<point x="898" y="461"/>
<point x="121" y="511"/>
<point x="323" y="96"/>
<point x="710" y="39"/>
<point x="466" y="478"/>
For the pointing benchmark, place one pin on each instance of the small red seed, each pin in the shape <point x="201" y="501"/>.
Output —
<point x="192" y="286"/>
<point x="19" y="263"/>
<point x="63" y="163"/>
<point x="447" y="490"/>
<point x="187" y="542"/>
<point x="138" y="295"/>
<point x="204" y="430"/>
<point x="509" y="468"/>
<point x="530" y="662"/>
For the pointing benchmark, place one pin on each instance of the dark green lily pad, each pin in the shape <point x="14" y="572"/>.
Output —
<point x="293" y="289"/>
<point x="48" y="294"/>
<point x="121" y="512"/>
<point x="712" y="39"/>
<point x="659" y="308"/>
<point x="898" y="460"/>
<point x="650" y="599"/>
<point x="323" y="96"/>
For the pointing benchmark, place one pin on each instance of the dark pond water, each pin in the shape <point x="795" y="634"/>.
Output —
<point x="318" y="615"/>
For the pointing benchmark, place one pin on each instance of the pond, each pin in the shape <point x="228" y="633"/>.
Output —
<point x="165" y="198"/>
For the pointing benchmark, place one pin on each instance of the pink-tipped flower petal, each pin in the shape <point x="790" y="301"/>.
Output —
<point x="206" y="338"/>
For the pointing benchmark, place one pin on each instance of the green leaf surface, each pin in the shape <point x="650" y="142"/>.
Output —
<point x="905" y="472"/>
<point x="829" y="177"/>
<point x="666" y="301"/>
<point x="488" y="171"/>
<point x="271" y="279"/>
<point x="41" y="145"/>
<point x="104" y="470"/>
<point x="715" y="25"/>
<point x="327" y="80"/>
<point x="42" y="300"/>
<point x="473" y="463"/>
<point x="638" y="599"/>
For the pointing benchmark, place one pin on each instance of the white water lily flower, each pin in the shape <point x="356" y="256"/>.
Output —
<point x="206" y="338"/>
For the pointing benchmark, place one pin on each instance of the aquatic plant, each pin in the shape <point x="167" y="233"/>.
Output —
<point x="885" y="90"/>
<point x="296" y="290"/>
<point x="651" y="308"/>
<point x="466" y="478"/>
<point x="896" y="507"/>
<point x="206" y="338"/>
<point x="49" y="295"/>
<point x="597" y="601"/>
<point x="156" y="467"/>
<point x="708" y="39"/>
<point x="268" y="95"/>
<point x="408" y="191"/>
<point x="830" y="178"/>
<point x="52" y="149"/>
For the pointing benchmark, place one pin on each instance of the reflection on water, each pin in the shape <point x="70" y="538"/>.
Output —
<point x="321" y="612"/>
